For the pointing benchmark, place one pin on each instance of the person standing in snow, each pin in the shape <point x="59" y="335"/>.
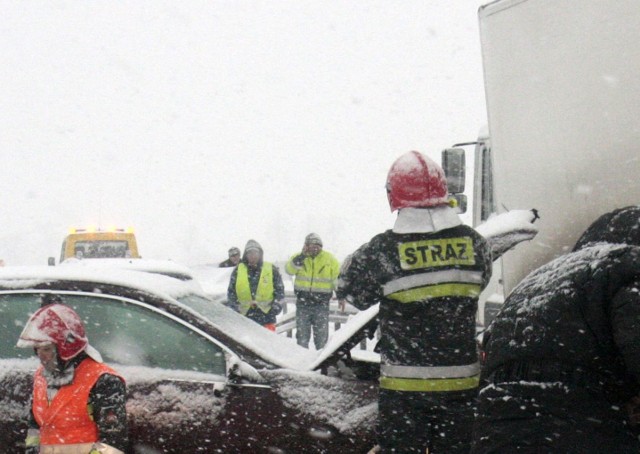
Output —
<point x="78" y="403"/>
<point x="255" y="287"/>
<point x="426" y="273"/>
<point x="316" y="272"/>
<point x="563" y="354"/>
<point x="233" y="260"/>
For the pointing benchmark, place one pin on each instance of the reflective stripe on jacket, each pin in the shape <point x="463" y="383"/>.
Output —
<point x="66" y="420"/>
<point x="316" y="274"/>
<point x="431" y="284"/>
<point x="264" y="292"/>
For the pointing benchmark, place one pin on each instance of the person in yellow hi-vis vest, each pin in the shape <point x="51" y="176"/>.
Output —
<point x="316" y="272"/>
<point x="255" y="287"/>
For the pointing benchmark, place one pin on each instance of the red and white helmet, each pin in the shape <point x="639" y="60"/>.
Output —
<point x="59" y="325"/>
<point x="415" y="180"/>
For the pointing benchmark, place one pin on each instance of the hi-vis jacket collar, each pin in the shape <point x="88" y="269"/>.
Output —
<point x="426" y="220"/>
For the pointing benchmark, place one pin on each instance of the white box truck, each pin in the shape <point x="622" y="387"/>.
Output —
<point x="562" y="82"/>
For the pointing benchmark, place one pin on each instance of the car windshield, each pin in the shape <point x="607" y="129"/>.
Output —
<point x="199" y="304"/>
<point x="276" y="349"/>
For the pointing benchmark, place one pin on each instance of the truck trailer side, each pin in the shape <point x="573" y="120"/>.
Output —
<point x="563" y="102"/>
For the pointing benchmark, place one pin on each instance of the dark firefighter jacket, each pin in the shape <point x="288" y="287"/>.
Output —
<point x="427" y="285"/>
<point x="563" y="357"/>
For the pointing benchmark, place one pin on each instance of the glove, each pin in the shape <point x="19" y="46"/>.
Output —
<point x="32" y="442"/>
<point x="298" y="260"/>
<point x="276" y="308"/>
<point x="633" y="411"/>
<point x="103" y="448"/>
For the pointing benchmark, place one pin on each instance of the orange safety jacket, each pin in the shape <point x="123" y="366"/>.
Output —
<point x="66" y="420"/>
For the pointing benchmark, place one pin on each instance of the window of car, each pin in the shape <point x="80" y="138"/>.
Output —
<point x="14" y="313"/>
<point x="197" y="303"/>
<point x="123" y="331"/>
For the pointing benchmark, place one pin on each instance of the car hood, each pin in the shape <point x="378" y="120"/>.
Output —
<point x="358" y="327"/>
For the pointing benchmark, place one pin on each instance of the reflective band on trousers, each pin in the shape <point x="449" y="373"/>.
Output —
<point x="429" y="385"/>
<point x="434" y="284"/>
<point x="390" y="370"/>
<point x="425" y="379"/>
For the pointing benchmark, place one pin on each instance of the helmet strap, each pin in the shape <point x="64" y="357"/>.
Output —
<point x="61" y="376"/>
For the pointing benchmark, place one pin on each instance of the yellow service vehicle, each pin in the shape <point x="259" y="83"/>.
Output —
<point x="98" y="243"/>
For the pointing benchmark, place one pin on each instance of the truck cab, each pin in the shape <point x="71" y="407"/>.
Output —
<point x="98" y="243"/>
<point x="478" y="176"/>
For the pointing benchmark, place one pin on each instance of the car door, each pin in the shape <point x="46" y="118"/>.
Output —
<point x="183" y="394"/>
<point x="189" y="393"/>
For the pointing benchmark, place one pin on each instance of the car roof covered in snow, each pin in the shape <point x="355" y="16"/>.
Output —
<point x="24" y="277"/>
<point x="166" y="267"/>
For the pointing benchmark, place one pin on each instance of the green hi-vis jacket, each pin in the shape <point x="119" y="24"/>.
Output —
<point x="264" y="292"/>
<point x="316" y="274"/>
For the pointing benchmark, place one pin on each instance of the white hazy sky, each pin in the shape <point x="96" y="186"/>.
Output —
<point x="205" y="123"/>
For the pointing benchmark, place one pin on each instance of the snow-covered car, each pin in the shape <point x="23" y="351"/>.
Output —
<point x="200" y="377"/>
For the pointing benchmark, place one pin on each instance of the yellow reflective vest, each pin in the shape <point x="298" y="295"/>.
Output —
<point x="317" y="274"/>
<point x="264" y="292"/>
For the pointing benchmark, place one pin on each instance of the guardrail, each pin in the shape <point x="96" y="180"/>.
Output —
<point x="287" y="321"/>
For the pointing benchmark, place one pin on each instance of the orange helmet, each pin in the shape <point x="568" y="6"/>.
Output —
<point x="55" y="324"/>
<point x="415" y="180"/>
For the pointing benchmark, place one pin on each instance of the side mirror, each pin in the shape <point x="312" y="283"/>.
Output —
<point x="238" y="371"/>
<point x="51" y="261"/>
<point x="453" y="164"/>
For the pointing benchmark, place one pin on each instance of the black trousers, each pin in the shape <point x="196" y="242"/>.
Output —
<point x="412" y="422"/>
<point x="549" y="417"/>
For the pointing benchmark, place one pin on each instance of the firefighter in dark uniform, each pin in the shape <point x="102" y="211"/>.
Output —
<point x="426" y="273"/>
<point x="563" y="355"/>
